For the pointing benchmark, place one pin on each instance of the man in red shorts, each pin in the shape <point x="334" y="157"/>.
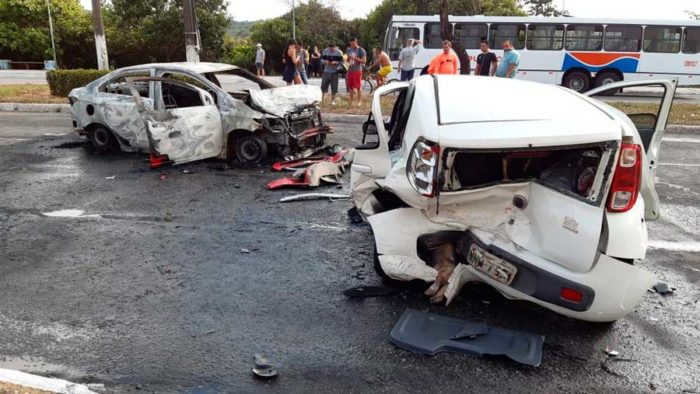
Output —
<point x="357" y="56"/>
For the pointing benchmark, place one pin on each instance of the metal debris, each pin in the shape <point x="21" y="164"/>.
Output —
<point x="315" y="196"/>
<point x="369" y="291"/>
<point x="663" y="288"/>
<point x="262" y="367"/>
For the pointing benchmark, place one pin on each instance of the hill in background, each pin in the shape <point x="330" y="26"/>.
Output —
<point x="240" y="29"/>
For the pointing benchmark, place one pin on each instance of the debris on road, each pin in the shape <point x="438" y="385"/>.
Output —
<point x="429" y="333"/>
<point x="314" y="196"/>
<point x="355" y="216"/>
<point x="663" y="288"/>
<point x="612" y="353"/>
<point x="369" y="291"/>
<point x="605" y="365"/>
<point x="313" y="171"/>
<point x="262" y="367"/>
<point x="163" y="176"/>
<point x="110" y="177"/>
<point x="244" y="250"/>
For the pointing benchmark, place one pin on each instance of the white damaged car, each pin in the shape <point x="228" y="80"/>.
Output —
<point x="536" y="190"/>
<point x="182" y="112"/>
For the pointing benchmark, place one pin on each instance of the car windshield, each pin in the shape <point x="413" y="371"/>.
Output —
<point x="238" y="81"/>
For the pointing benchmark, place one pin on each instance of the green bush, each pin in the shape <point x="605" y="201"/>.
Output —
<point x="61" y="82"/>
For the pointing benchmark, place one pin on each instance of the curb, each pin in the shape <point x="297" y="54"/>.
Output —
<point x="682" y="129"/>
<point x="42" y="383"/>
<point x="25" y="107"/>
<point x="344" y="118"/>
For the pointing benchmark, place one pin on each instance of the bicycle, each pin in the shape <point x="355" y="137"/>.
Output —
<point x="369" y="83"/>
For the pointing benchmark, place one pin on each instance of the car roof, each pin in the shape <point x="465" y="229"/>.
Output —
<point x="463" y="99"/>
<point x="199" y="68"/>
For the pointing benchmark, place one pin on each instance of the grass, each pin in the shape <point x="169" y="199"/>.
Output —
<point x="29" y="93"/>
<point x="681" y="113"/>
<point x="7" y="388"/>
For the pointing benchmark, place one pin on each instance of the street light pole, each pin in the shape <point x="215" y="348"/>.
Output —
<point x="53" y="42"/>
<point x="100" y="41"/>
<point x="294" y="21"/>
<point x="191" y="31"/>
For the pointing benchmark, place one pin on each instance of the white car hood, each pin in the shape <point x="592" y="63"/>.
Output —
<point x="280" y="101"/>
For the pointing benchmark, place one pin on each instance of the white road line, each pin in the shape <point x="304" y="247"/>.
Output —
<point x="681" y="139"/>
<point x="679" y="164"/>
<point x="675" y="246"/>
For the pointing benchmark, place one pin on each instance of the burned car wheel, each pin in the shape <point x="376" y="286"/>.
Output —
<point x="102" y="139"/>
<point x="251" y="149"/>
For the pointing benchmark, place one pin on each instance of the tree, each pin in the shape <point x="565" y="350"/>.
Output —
<point x="693" y="15"/>
<point x="24" y="32"/>
<point x="544" y="8"/>
<point x="446" y="34"/>
<point x="141" y="31"/>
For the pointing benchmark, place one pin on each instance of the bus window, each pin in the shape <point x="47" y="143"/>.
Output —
<point x="471" y="34"/>
<point x="622" y="38"/>
<point x="545" y="37"/>
<point x="432" y="37"/>
<point x="502" y="32"/>
<point x="584" y="37"/>
<point x="398" y="38"/>
<point x="691" y="40"/>
<point x="662" y="39"/>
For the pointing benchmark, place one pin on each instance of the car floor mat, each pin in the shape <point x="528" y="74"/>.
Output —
<point x="429" y="333"/>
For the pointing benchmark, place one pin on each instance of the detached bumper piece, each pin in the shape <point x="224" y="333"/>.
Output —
<point x="428" y="333"/>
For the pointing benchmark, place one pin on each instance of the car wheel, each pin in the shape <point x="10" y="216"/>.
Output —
<point x="606" y="78"/>
<point x="102" y="139"/>
<point x="578" y="81"/>
<point x="251" y="148"/>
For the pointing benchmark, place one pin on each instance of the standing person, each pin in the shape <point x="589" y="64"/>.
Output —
<point x="381" y="60"/>
<point x="302" y="61"/>
<point x="508" y="67"/>
<point x="260" y="60"/>
<point x="315" y="66"/>
<point x="487" y="61"/>
<point x="290" y="74"/>
<point x="446" y="62"/>
<point x="406" y="60"/>
<point x="331" y="59"/>
<point x="357" y="57"/>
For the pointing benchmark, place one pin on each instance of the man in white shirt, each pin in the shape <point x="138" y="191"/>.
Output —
<point x="260" y="60"/>
<point x="407" y="58"/>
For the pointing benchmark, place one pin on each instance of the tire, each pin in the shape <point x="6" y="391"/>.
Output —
<point x="577" y="81"/>
<point x="251" y="148"/>
<point x="367" y="86"/>
<point x="102" y="139"/>
<point x="606" y="78"/>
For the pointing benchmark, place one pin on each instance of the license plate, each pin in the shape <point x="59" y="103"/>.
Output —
<point x="491" y="265"/>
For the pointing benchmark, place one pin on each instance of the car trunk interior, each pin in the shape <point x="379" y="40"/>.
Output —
<point x="571" y="170"/>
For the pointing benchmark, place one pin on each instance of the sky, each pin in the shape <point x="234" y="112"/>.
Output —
<point x="242" y="10"/>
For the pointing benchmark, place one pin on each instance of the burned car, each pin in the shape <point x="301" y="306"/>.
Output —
<point x="192" y="111"/>
<point x="536" y="190"/>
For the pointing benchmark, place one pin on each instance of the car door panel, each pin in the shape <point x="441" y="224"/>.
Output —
<point x="650" y="134"/>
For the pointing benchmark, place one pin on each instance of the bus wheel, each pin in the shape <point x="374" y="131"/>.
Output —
<point x="578" y="81"/>
<point x="606" y="78"/>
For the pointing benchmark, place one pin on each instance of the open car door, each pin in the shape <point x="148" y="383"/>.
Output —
<point x="651" y="127"/>
<point x="184" y="125"/>
<point x="372" y="161"/>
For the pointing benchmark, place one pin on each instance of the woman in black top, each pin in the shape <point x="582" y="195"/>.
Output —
<point x="290" y="74"/>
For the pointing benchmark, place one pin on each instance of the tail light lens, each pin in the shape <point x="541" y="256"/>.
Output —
<point x="627" y="179"/>
<point x="158" y="161"/>
<point x="422" y="167"/>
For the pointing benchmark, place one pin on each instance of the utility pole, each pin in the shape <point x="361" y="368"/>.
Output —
<point x="100" y="42"/>
<point x="53" y="42"/>
<point x="191" y="31"/>
<point x="294" y="21"/>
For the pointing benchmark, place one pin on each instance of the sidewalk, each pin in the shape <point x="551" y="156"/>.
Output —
<point x="35" y="384"/>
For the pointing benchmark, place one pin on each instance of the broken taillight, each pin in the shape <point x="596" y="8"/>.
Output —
<point x="158" y="161"/>
<point x="626" y="181"/>
<point x="422" y="167"/>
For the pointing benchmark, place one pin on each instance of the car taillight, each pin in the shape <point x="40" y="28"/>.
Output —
<point x="627" y="179"/>
<point x="158" y="161"/>
<point x="422" y="167"/>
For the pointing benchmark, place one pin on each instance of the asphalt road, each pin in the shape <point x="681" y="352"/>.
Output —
<point x="156" y="295"/>
<point x="683" y="95"/>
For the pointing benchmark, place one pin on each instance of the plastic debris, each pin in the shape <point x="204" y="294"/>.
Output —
<point x="110" y="177"/>
<point x="369" y="291"/>
<point x="244" y="250"/>
<point x="163" y="176"/>
<point x="315" y="196"/>
<point x="262" y="367"/>
<point x="612" y="353"/>
<point x="663" y="288"/>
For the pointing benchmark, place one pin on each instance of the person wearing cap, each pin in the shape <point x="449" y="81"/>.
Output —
<point x="446" y="62"/>
<point x="260" y="60"/>
<point x="331" y="59"/>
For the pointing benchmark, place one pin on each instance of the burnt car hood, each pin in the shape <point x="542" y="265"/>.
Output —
<point x="283" y="100"/>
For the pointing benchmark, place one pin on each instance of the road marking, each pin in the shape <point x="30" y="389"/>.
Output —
<point x="679" y="246"/>
<point x="69" y="213"/>
<point x="681" y="139"/>
<point x="11" y="141"/>
<point x="679" y="164"/>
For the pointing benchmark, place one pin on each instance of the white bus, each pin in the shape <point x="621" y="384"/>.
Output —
<point x="579" y="53"/>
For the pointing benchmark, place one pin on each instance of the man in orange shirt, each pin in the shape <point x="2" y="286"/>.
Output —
<point x="446" y="62"/>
